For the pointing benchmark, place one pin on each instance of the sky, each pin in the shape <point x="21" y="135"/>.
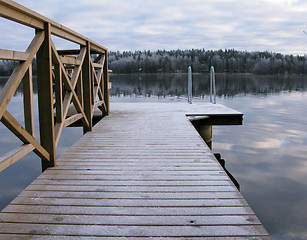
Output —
<point x="256" y="25"/>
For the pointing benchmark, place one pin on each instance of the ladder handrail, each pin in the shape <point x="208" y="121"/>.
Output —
<point x="212" y="86"/>
<point x="190" y="85"/>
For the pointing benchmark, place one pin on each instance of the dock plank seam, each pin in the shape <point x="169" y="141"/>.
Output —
<point x="142" y="173"/>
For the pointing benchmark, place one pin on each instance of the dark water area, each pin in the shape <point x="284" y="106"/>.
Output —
<point x="267" y="154"/>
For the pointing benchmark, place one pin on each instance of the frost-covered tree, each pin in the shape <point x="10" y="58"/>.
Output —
<point x="228" y="60"/>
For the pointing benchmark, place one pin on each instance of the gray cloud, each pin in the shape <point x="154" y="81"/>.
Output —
<point x="273" y="25"/>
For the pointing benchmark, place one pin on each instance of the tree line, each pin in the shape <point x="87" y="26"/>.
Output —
<point x="7" y="67"/>
<point x="176" y="61"/>
<point x="230" y="61"/>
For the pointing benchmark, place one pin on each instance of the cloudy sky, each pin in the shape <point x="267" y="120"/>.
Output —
<point x="273" y="25"/>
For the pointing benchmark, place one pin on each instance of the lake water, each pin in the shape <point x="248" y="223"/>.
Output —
<point x="267" y="154"/>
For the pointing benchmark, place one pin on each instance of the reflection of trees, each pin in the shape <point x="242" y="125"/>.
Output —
<point x="158" y="85"/>
<point x="227" y="85"/>
<point x="7" y="67"/>
<point x="3" y="81"/>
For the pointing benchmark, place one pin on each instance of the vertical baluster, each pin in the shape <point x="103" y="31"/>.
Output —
<point x="58" y="89"/>
<point x="28" y="102"/>
<point x="93" y="83"/>
<point x="80" y="90"/>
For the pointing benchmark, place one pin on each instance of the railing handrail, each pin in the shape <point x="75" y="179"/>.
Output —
<point x="212" y="85"/>
<point x="20" y="14"/>
<point x="63" y="77"/>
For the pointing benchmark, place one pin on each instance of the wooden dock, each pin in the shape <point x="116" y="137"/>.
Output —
<point x="142" y="173"/>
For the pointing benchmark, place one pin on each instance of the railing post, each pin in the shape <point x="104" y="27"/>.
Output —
<point x="45" y="98"/>
<point x="106" y="83"/>
<point x="87" y="88"/>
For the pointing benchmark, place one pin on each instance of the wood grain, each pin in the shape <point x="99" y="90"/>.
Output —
<point x="142" y="173"/>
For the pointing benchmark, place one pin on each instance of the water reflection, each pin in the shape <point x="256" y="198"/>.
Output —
<point x="226" y="85"/>
<point x="18" y="176"/>
<point x="267" y="155"/>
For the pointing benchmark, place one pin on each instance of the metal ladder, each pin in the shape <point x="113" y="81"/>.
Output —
<point x="212" y="86"/>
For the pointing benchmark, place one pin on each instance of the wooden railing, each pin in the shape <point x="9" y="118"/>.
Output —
<point x="77" y="78"/>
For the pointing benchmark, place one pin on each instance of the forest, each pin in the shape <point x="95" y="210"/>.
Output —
<point x="229" y="61"/>
<point x="177" y="61"/>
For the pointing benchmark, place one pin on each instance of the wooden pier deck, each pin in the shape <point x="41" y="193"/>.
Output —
<point x="142" y="173"/>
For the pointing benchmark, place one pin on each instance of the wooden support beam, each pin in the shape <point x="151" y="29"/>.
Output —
<point x="71" y="60"/>
<point x="96" y="76"/>
<point x="96" y="48"/>
<point x="15" y="127"/>
<point x="103" y="60"/>
<point x="101" y="85"/>
<point x="84" y="87"/>
<point x="98" y="58"/>
<point x="14" y="155"/>
<point x="70" y="86"/>
<point x="65" y="33"/>
<point x="77" y="69"/>
<point x="100" y="77"/>
<point x="28" y="102"/>
<point x="100" y="94"/>
<point x="101" y="105"/>
<point x="58" y="89"/>
<point x="100" y="88"/>
<point x="97" y="65"/>
<point x="87" y="88"/>
<point x="13" y="55"/>
<point x="97" y="104"/>
<point x="45" y="98"/>
<point x="20" y="14"/>
<point x="14" y="80"/>
<point x="70" y="120"/>
<point x="80" y="89"/>
<point x="93" y="84"/>
<point x="106" y="84"/>
<point x="69" y="52"/>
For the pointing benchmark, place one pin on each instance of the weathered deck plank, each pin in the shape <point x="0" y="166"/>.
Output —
<point x="132" y="220"/>
<point x="143" y="173"/>
<point x="48" y="237"/>
<point x="133" y="231"/>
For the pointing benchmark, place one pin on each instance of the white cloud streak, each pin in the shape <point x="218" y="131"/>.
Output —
<point x="273" y="25"/>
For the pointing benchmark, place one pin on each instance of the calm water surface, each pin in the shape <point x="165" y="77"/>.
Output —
<point x="267" y="155"/>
